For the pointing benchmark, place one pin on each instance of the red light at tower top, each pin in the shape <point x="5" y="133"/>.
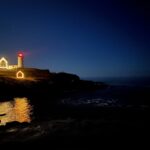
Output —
<point x="20" y="54"/>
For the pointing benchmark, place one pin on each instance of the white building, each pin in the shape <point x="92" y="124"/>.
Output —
<point x="4" y="64"/>
<point x="12" y="70"/>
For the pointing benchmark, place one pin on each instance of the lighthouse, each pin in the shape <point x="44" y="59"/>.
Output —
<point x="20" y="60"/>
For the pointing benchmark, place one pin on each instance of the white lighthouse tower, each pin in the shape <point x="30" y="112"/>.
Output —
<point x="20" y="60"/>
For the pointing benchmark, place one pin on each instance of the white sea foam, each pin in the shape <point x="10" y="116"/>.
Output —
<point x="99" y="102"/>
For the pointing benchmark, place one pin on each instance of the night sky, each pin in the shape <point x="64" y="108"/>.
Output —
<point x="91" y="38"/>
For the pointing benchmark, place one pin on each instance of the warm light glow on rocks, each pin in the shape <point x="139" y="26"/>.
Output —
<point x="22" y="110"/>
<point x="18" y="110"/>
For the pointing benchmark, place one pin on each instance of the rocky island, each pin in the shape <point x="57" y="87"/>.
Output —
<point x="18" y="80"/>
<point x="38" y="81"/>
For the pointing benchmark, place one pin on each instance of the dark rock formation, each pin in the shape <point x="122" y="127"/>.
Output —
<point x="42" y="82"/>
<point x="29" y="73"/>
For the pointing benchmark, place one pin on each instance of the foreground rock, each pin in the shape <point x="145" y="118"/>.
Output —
<point x="78" y="129"/>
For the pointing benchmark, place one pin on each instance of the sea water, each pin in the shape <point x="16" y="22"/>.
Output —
<point x="121" y="92"/>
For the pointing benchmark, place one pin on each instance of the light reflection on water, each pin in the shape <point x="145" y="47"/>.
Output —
<point x="17" y="110"/>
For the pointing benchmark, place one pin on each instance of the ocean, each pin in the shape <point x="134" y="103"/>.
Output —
<point x="122" y="92"/>
<point x="49" y="125"/>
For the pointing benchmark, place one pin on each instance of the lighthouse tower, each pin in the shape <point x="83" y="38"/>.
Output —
<point x="20" y="60"/>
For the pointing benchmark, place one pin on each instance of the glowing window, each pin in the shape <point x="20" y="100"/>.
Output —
<point x="20" y="75"/>
<point x="3" y="63"/>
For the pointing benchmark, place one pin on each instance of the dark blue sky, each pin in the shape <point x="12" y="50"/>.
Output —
<point x="91" y="38"/>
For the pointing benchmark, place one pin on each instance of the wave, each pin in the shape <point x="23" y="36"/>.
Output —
<point x="99" y="102"/>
